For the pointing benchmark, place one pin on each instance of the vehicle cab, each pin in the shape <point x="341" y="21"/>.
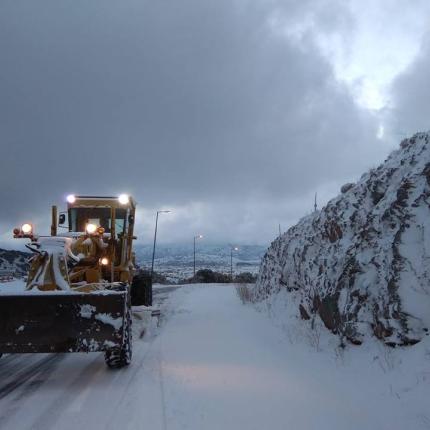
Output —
<point x="103" y="230"/>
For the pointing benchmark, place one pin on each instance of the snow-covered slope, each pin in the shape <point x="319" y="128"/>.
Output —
<point x="362" y="263"/>
<point x="15" y="262"/>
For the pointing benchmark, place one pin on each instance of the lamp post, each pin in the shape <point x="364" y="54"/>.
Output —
<point x="155" y="240"/>
<point x="232" y="248"/>
<point x="199" y="236"/>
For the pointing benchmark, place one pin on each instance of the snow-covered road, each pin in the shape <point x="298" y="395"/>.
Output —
<point x="213" y="364"/>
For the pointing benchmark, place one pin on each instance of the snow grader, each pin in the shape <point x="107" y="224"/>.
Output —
<point x="80" y="285"/>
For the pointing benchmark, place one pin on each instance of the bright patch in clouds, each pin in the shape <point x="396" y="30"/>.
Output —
<point x="386" y="39"/>
<point x="369" y="43"/>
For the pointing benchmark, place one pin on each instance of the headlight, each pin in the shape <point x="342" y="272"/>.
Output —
<point x="71" y="198"/>
<point x="123" y="199"/>
<point x="104" y="261"/>
<point x="26" y="228"/>
<point x="91" y="228"/>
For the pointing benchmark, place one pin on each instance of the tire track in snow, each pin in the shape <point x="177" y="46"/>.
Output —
<point x="32" y="378"/>
<point x="82" y="381"/>
<point x="133" y="373"/>
<point x="16" y="362"/>
<point x="154" y="410"/>
<point x="27" y="374"/>
<point x="8" y="358"/>
<point x="133" y="377"/>
<point x="162" y="391"/>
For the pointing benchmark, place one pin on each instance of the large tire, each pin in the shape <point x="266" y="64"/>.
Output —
<point x="141" y="290"/>
<point x="119" y="357"/>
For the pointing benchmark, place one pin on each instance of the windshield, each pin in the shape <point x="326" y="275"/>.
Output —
<point x="80" y="217"/>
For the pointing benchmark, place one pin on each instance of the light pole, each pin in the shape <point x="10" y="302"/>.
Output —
<point x="155" y="240"/>
<point x="199" y="236"/>
<point x="232" y="248"/>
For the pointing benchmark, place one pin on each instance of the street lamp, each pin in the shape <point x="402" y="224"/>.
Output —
<point x="199" y="236"/>
<point x="232" y="248"/>
<point x="155" y="240"/>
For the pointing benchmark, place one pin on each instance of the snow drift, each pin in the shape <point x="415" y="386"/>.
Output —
<point x="362" y="263"/>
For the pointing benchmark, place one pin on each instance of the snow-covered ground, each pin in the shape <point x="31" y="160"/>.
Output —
<point x="217" y="364"/>
<point x="12" y="286"/>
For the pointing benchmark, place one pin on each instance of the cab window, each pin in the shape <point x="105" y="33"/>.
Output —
<point x="80" y="217"/>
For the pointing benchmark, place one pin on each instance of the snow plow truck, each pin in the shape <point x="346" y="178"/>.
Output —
<point x="80" y="287"/>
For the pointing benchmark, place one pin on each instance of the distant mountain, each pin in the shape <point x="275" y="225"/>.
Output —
<point x="176" y="262"/>
<point x="15" y="262"/>
<point x="209" y="255"/>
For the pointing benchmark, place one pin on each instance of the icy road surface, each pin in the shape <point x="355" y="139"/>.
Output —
<point x="215" y="364"/>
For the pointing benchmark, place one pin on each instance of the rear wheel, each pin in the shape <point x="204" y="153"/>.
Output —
<point x="119" y="357"/>
<point x="141" y="290"/>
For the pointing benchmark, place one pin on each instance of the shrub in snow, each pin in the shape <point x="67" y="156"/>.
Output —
<point x="362" y="263"/>
<point x="245" y="278"/>
<point x="244" y="292"/>
<point x="207" y="276"/>
<point x="157" y="278"/>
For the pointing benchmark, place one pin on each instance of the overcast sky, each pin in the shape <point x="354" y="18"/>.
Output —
<point x="231" y="113"/>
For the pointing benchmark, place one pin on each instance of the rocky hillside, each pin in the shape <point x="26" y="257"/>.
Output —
<point x="14" y="262"/>
<point x="362" y="263"/>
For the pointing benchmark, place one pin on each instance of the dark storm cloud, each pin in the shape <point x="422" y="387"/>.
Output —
<point x="175" y="102"/>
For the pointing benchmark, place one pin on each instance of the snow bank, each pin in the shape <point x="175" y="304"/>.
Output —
<point x="361" y="265"/>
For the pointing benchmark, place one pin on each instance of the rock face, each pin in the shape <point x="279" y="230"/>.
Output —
<point x="362" y="263"/>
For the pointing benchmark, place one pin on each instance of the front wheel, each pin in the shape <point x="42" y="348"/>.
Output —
<point x="119" y="357"/>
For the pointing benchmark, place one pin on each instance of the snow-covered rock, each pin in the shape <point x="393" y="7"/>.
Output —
<point x="362" y="263"/>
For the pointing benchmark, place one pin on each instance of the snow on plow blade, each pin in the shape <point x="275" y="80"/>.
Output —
<point x="62" y="322"/>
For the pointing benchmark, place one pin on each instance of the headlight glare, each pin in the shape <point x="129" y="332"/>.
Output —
<point x="26" y="228"/>
<point x="91" y="228"/>
<point x="71" y="198"/>
<point x="123" y="199"/>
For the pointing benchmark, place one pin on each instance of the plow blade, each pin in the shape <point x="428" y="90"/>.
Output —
<point x="62" y="322"/>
